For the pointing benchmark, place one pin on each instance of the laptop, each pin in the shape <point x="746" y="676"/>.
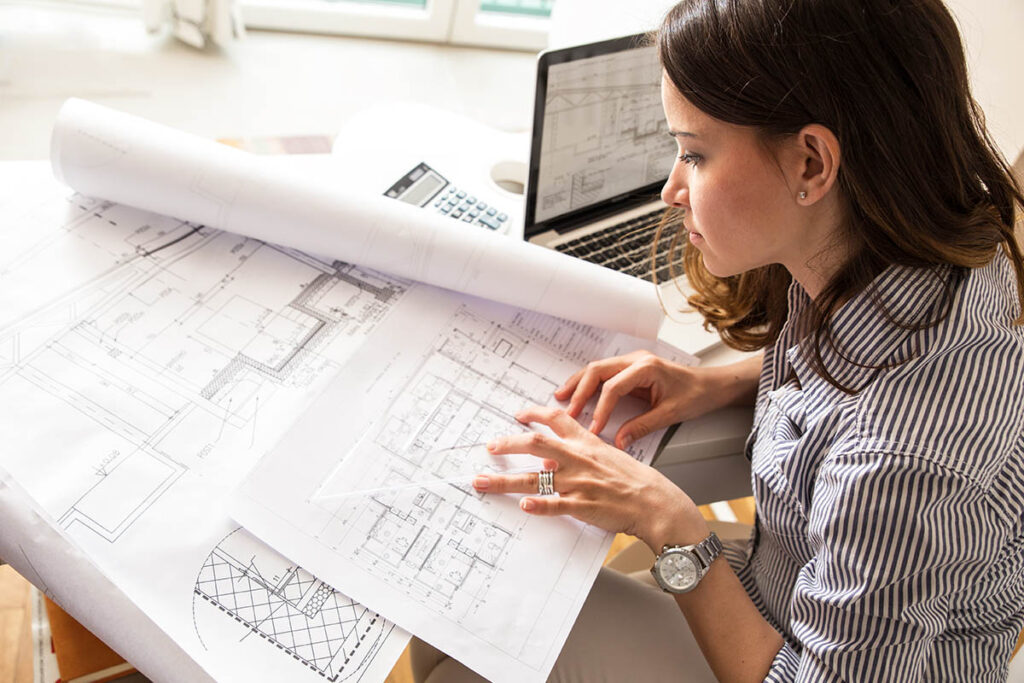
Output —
<point x="599" y="155"/>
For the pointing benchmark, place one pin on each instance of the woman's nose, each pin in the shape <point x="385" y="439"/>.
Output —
<point x="675" y="193"/>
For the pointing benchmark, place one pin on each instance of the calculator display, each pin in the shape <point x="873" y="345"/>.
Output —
<point x="423" y="190"/>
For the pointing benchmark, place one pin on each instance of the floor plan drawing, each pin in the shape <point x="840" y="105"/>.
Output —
<point x="395" y="516"/>
<point x="278" y="601"/>
<point x="159" y="350"/>
<point x="146" y="364"/>
<point x="439" y="541"/>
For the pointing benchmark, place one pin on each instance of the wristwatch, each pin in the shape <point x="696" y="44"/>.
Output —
<point x="679" y="568"/>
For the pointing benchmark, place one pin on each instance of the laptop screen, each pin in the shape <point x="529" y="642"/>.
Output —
<point x="600" y="142"/>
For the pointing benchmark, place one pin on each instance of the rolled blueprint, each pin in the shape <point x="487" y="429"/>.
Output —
<point x="125" y="159"/>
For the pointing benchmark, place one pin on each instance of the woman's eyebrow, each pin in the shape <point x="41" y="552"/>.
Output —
<point x="682" y="134"/>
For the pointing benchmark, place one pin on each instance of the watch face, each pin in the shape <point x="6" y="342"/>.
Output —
<point x="678" y="570"/>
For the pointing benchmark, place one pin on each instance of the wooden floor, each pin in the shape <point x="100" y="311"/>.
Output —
<point x="15" y="628"/>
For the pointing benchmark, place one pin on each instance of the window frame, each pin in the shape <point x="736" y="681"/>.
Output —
<point x="471" y="26"/>
<point x="456" y="22"/>
<point x="429" y="23"/>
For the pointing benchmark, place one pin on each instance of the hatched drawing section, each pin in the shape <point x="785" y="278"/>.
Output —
<point x="290" y="608"/>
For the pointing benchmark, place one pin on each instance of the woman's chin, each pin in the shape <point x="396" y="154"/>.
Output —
<point x="716" y="268"/>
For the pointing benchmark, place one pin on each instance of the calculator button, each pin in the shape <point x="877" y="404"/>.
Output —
<point x="460" y="194"/>
<point x="467" y="219"/>
<point x="471" y="200"/>
<point x="457" y="214"/>
<point x="490" y="222"/>
<point x="491" y="211"/>
<point x="502" y="218"/>
<point x="481" y="205"/>
<point x="446" y="209"/>
<point x="474" y="214"/>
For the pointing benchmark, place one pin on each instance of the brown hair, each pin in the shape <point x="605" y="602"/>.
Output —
<point x="923" y="182"/>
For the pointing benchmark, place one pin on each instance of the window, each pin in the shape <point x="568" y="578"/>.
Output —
<point x="502" y="23"/>
<point x="517" y="24"/>
<point x="521" y="24"/>
<point x="409" y="19"/>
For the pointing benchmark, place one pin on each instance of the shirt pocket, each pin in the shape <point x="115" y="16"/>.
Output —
<point x="776" y="452"/>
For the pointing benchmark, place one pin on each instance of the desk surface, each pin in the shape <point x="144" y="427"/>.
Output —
<point x="268" y="84"/>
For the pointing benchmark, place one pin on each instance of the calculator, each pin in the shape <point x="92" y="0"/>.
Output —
<point x="425" y="187"/>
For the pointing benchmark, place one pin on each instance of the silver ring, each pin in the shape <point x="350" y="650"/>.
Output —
<point x="545" y="483"/>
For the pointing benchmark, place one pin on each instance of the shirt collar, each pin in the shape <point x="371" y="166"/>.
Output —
<point x="866" y="330"/>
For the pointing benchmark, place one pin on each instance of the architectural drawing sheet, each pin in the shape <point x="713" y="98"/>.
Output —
<point x="371" y="487"/>
<point x="103" y="153"/>
<point x="604" y="131"/>
<point x="145" y="365"/>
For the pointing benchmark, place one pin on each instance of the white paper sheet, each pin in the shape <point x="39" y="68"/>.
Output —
<point x="145" y="365"/>
<point x="103" y="153"/>
<point x="44" y="556"/>
<point x="470" y="573"/>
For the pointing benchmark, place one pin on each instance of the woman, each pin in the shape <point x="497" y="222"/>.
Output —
<point x="847" y="213"/>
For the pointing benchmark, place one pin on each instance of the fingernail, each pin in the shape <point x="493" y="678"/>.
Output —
<point x="527" y="504"/>
<point x="626" y="440"/>
<point x="481" y="482"/>
<point x="592" y="425"/>
<point x="492" y="445"/>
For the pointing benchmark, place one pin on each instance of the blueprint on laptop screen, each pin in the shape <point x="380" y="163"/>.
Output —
<point x="604" y="131"/>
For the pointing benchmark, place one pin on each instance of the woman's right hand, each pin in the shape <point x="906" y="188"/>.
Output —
<point x="675" y="392"/>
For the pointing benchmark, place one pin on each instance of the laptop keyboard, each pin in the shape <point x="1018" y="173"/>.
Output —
<point x="625" y="246"/>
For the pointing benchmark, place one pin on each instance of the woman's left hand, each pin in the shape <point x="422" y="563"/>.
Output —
<point x="597" y="483"/>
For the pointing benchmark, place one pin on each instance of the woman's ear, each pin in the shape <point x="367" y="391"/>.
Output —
<point x="817" y="157"/>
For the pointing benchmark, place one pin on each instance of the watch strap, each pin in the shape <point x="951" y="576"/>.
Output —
<point x="706" y="552"/>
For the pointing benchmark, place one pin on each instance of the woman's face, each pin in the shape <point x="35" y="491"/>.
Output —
<point x="740" y="212"/>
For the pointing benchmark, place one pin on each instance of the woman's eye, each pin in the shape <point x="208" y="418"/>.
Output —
<point x="690" y="158"/>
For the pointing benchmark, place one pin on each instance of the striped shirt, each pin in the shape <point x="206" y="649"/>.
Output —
<point x="889" y="543"/>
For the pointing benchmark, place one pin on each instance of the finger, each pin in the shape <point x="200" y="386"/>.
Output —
<point x="613" y="390"/>
<point x="531" y="443"/>
<point x="585" y="388"/>
<point x="591" y="378"/>
<point x="565" y="391"/>
<point x="560" y="422"/>
<point x="554" y="505"/>
<point x="507" y="483"/>
<point x="642" y="425"/>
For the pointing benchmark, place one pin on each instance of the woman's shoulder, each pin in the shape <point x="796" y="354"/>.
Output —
<point x="958" y="400"/>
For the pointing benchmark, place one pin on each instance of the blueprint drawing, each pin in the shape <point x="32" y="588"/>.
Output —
<point x="395" y="517"/>
<point x="604" y="131"/>
<point x="145" y="365"/>
<point x="278" y="601"/>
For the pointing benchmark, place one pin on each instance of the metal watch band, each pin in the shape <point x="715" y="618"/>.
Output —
<point x="706" y="552"/>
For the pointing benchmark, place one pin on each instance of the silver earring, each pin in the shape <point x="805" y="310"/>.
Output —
<point x="802" y="195"/>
